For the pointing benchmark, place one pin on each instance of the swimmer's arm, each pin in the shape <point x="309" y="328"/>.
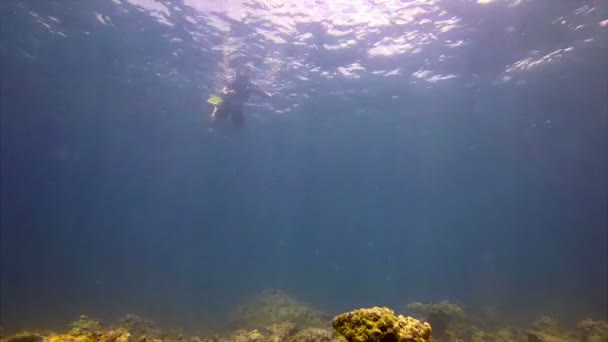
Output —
<point x="227" y="90"/>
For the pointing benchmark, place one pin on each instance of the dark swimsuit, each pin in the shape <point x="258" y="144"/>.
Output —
<point x="238" y="92"/>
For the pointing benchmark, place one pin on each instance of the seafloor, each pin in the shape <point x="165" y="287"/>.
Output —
<point x="275" y="316"/>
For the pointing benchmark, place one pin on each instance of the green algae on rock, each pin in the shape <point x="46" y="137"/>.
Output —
<point x="379" y="324"/>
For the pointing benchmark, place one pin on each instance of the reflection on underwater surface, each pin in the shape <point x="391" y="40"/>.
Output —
<point x="415" y="151"/>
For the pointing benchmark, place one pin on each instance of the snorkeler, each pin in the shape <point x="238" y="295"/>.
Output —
<point x="234" y="97"/>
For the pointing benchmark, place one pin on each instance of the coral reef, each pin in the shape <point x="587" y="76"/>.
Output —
<point x="501" y="335"/>
<point x="143" y="330"/>
<point x="84" y="326"/>
<point x="281" y="331"/>
<point x="26" y="337"/>
<point x="315" y="335"/>
<point x="275" y="317"/>
<point x="593" y="331"/>
<point x="447" y="319"/>
<point x="107" y="336"/>
<point x="547" y="325"/>
<point x="444" y="308"/>
<point x="379" y="324"/>
<point x="284" y="332"/>
<point x="82" y="330"/>
<point x="535" y="336"/>
<point x="247" y="336"/>
<point x="271" y="307"/>
<point x="546" y="329"/>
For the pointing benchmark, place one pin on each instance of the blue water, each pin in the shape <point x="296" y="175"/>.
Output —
<point x="412" y="151"/>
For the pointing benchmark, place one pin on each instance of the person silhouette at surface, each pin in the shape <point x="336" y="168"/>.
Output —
<point x="234" y="96"/>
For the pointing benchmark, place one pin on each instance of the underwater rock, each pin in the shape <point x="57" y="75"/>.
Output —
<point x="138" y="326"/>
<point x="209" y="339"/>
<point x="84" y="325"/>
<point x="132" y="328"/>
<point x="25" y="337"/>
<point x="444" y="308"/>
<point x="447" y="319"/>
<point x="272" y="307"/>
<point x="281" y="331"/>
<point x="501" y="335"/>
<point x="118" y="335"/>
<point x="546" y="329"/>
<point x="488" y="318"/>
<point x="70" y="338"/>
<point x="316" y="335"/>
<point x="547" y="325"/>
<point x="248" y="336"/>
<point x="143" y="330"/>
<point x="482" y="336"/>
<point x="593" y="331"/>
<point x="380" y="324"/>
<point x="89" y="330"/>
<point x="536" y="336"/>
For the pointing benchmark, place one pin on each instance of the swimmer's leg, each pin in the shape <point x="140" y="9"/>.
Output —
<point x="219" y="112"/>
